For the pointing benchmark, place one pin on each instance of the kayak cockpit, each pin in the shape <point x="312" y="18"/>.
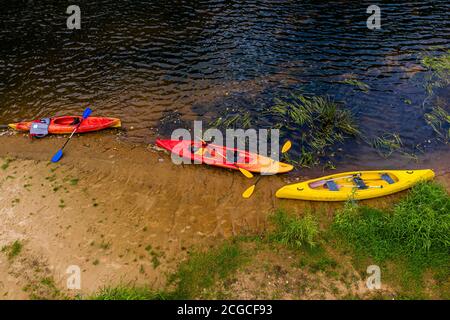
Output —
<point x="359" y="181"/>
<point x="67" y="121"/>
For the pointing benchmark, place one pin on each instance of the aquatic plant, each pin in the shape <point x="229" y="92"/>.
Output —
<point x="241" y="120"/>
<point x="440" y="67"/>
<point x="357" y="83"/>
<point x="319" y="123"/>
<point x="439" y="120"/>
<point x="387" y="144"/>
<point x="440" y="64"/>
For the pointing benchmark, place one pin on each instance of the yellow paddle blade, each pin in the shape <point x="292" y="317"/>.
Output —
<point x="246" y="173"/>
<point x="286" y="146"/>
<point x="248" y="192"/>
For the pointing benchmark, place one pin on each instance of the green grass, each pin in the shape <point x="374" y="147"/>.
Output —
<point x="319" y="123"/>
<point x="74" y="181"/>
<point x="199" y="272"/>
<point x="203" y="269"/>
<point x="292" y="231"/>
<point x="6" y="164"/>
<point x="418" y="227"/>
<point x="316" y="259"/>
<point x="406" y="241"/>
<point x="155" y="256"/>
<point x="13" y="249"/>
<point x="126" y="292"/>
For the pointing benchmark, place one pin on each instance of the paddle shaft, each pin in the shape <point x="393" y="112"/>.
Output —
<point x="4" y="126"/>
<point x="354" y="186"/>
<point x="73" y="132"/>
<point x="220" y="154"/>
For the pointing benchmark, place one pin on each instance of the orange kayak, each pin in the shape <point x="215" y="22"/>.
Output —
<point x="224" y="157"/>
<point x="66" y="124"/>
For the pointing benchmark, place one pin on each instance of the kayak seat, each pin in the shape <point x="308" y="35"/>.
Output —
<point x="75" y="121"/>
<point x="360" y="183"/>
<point x="387" y="178"/>
<point x="332" y="186"/>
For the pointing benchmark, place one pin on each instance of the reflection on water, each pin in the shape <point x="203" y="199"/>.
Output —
<point x="144" y="61"/>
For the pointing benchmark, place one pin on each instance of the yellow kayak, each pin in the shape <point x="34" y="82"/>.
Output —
<point x="356" y="185"/>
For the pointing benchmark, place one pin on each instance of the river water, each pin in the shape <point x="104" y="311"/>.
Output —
<point x="161" y="64"/>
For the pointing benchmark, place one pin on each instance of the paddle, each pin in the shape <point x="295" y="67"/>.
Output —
<point x="286" y="146"/>
<point x="246" y="173"/>
<point x="249" y="191"/>
<point x="58" y="155"/>
<point x="4" y="126"/>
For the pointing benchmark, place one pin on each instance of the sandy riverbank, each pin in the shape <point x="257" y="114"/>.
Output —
<point x="108" y="201"/>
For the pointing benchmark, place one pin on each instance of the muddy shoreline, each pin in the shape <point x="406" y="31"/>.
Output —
<point x="108" y="201"/>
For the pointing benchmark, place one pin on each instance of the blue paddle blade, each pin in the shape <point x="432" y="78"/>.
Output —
<point x="57" y="156"/>
<point x="87" y="113"/>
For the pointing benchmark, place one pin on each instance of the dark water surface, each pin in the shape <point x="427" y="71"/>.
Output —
<point x="160" y="64"/>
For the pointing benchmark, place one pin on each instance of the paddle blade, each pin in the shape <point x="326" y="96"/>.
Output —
<point x="286" y="146"/>
<point x="246" y="173"/>
<point x="58" y="155"/>
<point x="248" y="192"/>
<point x="87" y="112"/>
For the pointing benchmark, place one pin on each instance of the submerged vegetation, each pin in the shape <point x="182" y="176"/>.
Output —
<point x="440" y="70"/>
<point x="439" y="64"/>
<point x="319" y="123"/>
<point x="387" y="144"/>
<point x="437" y="117"/>
<point x="439" y="120"/>
<point x="241" y="120"/>
<point x="357" y="83"/>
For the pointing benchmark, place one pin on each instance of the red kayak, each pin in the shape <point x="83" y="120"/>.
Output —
<point x="66" y="124"/>
<point x="224" y="157"/>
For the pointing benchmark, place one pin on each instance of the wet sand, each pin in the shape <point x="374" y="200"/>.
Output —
<point x="108" y="203"/>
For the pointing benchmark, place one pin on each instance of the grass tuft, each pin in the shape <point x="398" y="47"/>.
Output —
<point x="203" y="269"/>
<point x="13" y="249"/>
<point x="5" y="165"/>
<point x="124" y="292"/>
<point x="293" y="231"/>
